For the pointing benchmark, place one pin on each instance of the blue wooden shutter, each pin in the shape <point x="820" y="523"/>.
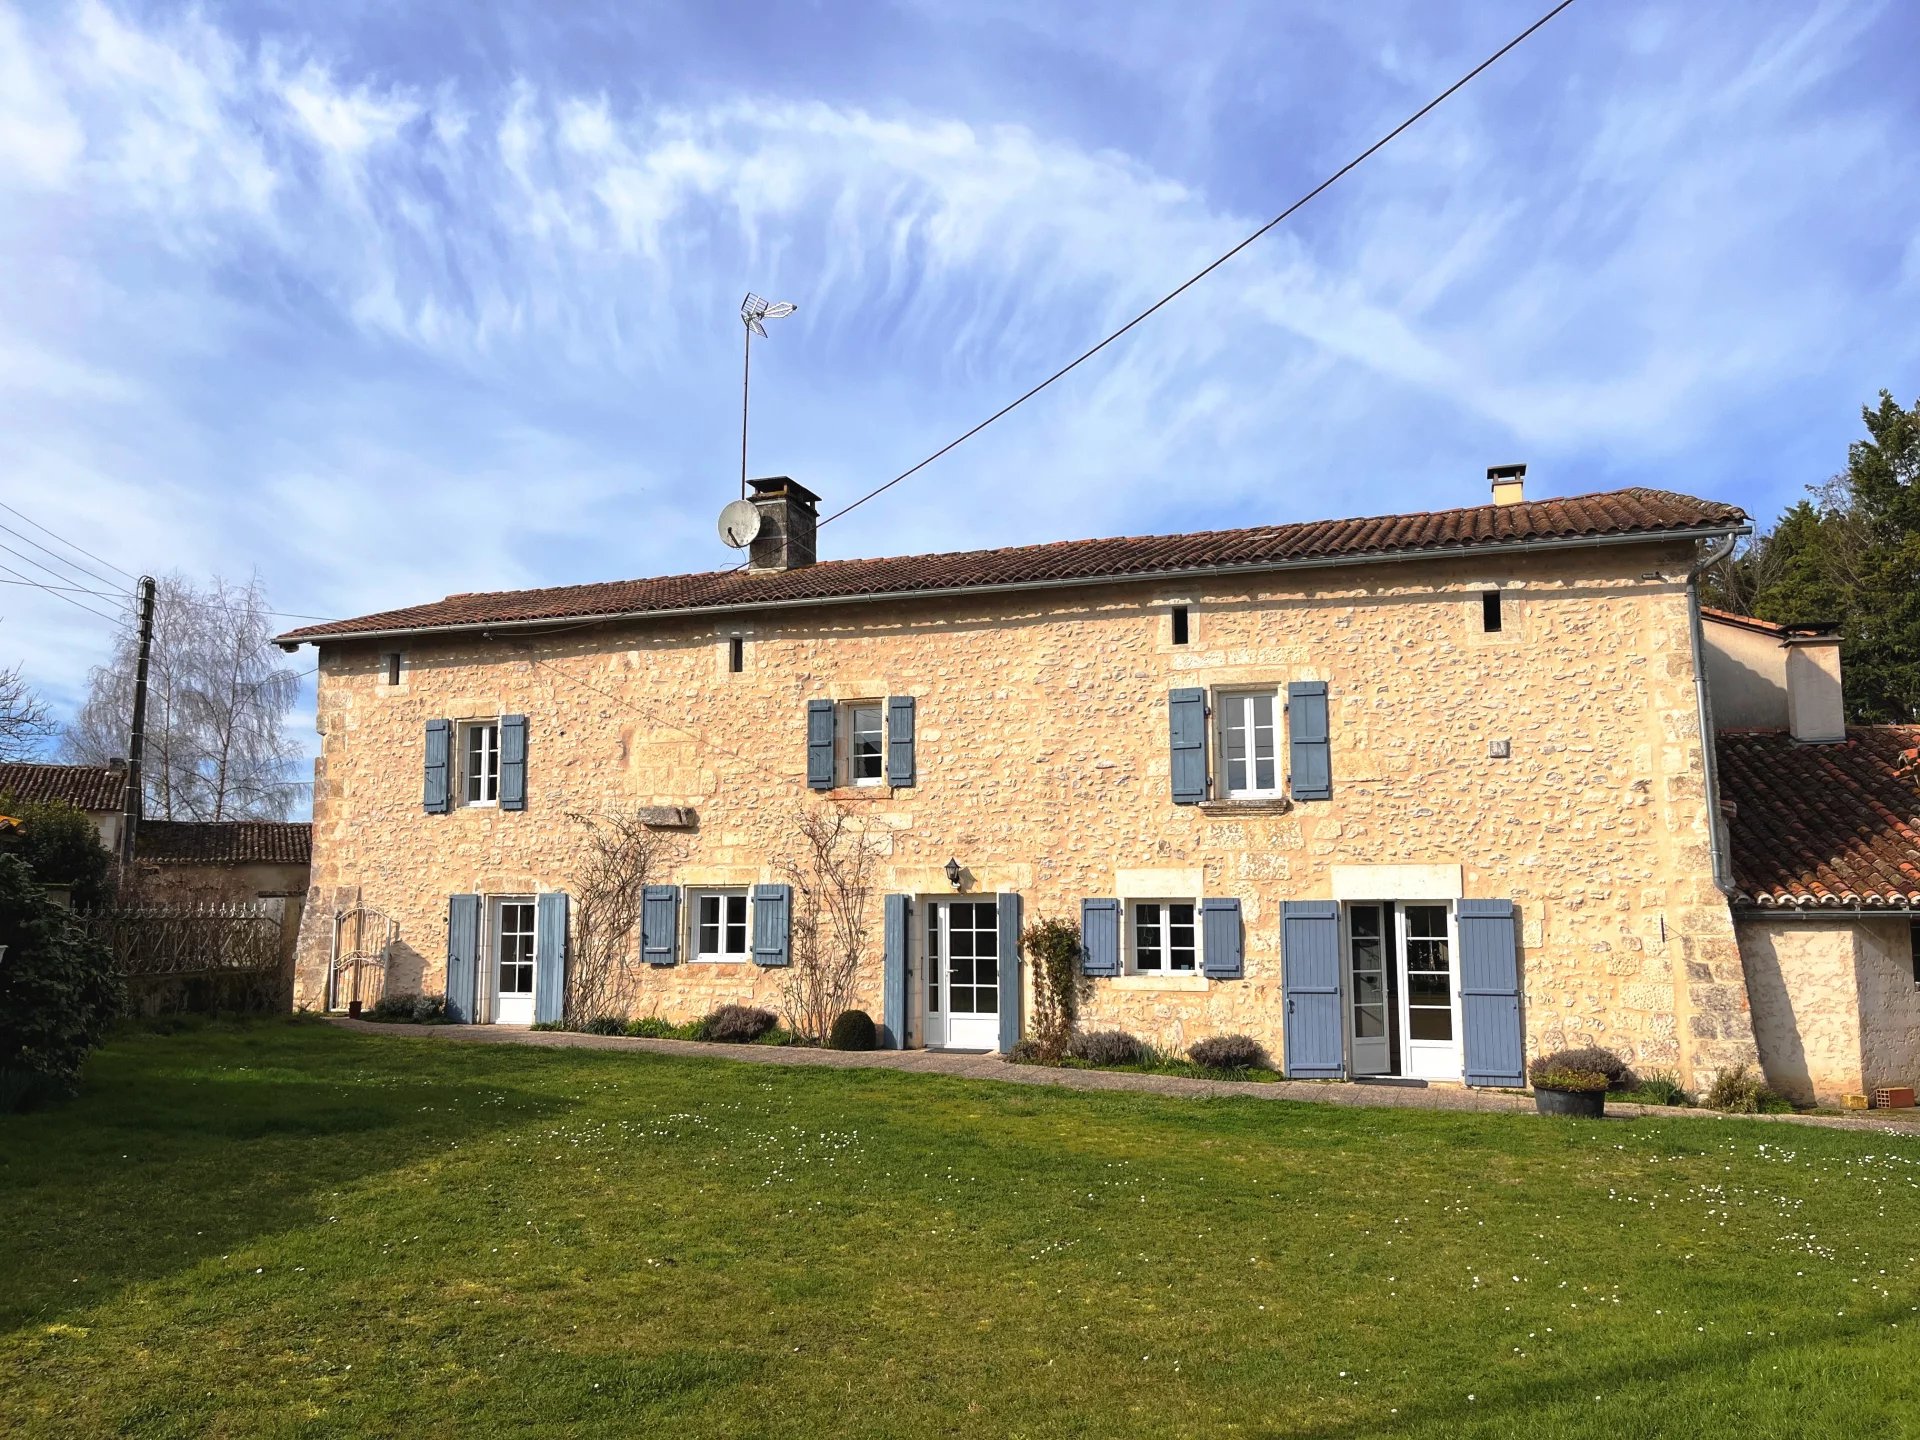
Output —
<point x="1187" y="724"/>
<point x="1310" y="987"/>
<point x="660" y="924"/>
<point x="550" y="957"/>
<point x="899" y="740"/>
<point x="439" y="793"/>
<point x="513" y="762"/>
<point x="772" y="906"/>
<point x="1309" y="754"/>
<point x="1100" y="937"/>
<point x="1009" y="915"/>
<point x="820" y="745"/>
<point x="1490" y="994"/>
<point x="896" y="916"/>
<point x="1220" y="939"/>
<point x="463" y="957"/>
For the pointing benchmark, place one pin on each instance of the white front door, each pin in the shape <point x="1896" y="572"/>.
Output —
<point x="513" y="961"/>
<point x="961" y="947"/>
<point x="1429" y="991"/>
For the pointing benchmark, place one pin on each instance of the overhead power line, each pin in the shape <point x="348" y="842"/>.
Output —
<point x="66" y="542"/>
<point x="58" y="593"/>
<point x="1202" y="274"/>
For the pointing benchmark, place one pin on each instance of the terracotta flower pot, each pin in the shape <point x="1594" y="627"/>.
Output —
<point x="1587" y="1104"/>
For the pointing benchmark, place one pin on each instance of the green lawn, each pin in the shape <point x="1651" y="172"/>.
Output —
<point x="288" y="1230"/>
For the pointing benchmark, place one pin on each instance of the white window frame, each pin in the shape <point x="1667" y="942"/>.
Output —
<point x="1223" y="703"/>
<point x="489" y="778"/>
<point x="723" y="893"/>
<point x="849" y="711"/>
<point x="1166" y="947"/>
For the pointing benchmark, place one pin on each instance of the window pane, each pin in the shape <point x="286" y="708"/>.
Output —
<point x="709" y="941"/>
<point x="1180" y="937"/>
<point x="1429" y="1024"/>
<point x="1369" y="1022"/>
<point x="1425" y="988"/>
<point x="933" y="960"/>
<point x="865" y="744"/>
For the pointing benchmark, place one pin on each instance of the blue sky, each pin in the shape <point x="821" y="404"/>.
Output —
<point x="391" y="301"/>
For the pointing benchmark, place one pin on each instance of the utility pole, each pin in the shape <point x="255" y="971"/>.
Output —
<point x="137" y="741"/>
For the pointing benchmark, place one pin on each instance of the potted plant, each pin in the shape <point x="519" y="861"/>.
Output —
<point x="1568" y="1082"/>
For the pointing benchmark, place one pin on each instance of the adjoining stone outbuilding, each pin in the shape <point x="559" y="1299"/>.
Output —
<point x="1824" y="821"/>
<point x="1412" y="795"/>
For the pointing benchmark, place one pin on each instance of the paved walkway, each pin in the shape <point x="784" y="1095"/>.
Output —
<point x="992" y="1067"/>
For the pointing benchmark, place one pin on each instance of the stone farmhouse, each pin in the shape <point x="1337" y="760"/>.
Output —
<point x="1416" y="796"/>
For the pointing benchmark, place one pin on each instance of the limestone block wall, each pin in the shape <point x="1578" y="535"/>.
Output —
<point x="1043" y="769"/>
<point x="1835" y="1007"/>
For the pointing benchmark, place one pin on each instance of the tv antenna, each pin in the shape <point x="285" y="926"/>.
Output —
<point x="753" y="310"/>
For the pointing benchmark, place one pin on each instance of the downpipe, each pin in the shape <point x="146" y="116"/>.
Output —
<point x="1716" y="551"/>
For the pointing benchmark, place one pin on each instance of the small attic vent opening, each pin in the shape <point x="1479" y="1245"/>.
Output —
<point x="1490" y="611"/>
<point x="1179" y="624"/>
<point x="736" y="654"/>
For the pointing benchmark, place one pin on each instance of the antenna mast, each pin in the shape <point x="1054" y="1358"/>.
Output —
<point x="753" y="310"/>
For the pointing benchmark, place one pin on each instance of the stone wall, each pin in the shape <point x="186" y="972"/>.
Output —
<point x="1889" y="1004"/>
<point x="1835" y="1007"/>
<point x="1043" y="769"/>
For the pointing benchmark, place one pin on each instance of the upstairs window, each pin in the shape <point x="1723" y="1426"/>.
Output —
<point x="1913" y="945"/>
<point x="866" y="730"/>
<point x="480" y="762"/>
<point x="1180" y="630"/>
<point x="1165" y="938"/>
<point x="1249" y="744"/>
<point x="1490" y="611"/>
<point x="736" y="654"/>
<point x="392" y="662"/>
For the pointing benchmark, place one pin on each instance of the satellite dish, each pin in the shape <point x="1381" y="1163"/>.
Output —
<point x="739" y="523"/>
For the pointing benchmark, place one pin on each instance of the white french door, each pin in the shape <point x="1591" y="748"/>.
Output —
<point x="960" y="948"/>
<point x="1402" y="988"/>
<point x="512" y="961"/>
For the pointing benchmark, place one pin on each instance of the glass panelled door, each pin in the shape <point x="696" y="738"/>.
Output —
<point x="962" y="970"/>
<point x="513" y="962"/>
<point x="1369" y="954"/>
<point x="1427" y="999"/>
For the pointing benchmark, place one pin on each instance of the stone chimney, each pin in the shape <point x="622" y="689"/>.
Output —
<point x="1509" y="483"/>
<point x="1816" y="709"/>
<point x="788" y="514"/>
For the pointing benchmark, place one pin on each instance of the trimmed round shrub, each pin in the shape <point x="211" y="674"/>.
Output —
<point x="391" y="1010"/>
<point x="430" y="1010"/>
<point x="737" y="1024"/>
<point x="1229" y="1052"/>
<point x="1027" y="1051"/>
<point x="58" y="993"/>
<point x="1107" y="1047"/>
<point x="1587" y="1058"/>
<point x="852" y="1030"/>
<point x="1572" y="1082"/>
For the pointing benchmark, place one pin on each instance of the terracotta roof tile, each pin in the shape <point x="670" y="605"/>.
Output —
<point x="1827" y="826"/>
<point x="1618" y="513"/>
<point x="224" y="842"/>
<point x="86" y="787"/>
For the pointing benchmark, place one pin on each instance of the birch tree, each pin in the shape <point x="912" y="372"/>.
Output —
<point x="23" y="716"/>
<point x="216" y="746"/>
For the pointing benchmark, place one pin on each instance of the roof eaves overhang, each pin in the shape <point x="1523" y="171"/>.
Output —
<point x="292" y="640"/>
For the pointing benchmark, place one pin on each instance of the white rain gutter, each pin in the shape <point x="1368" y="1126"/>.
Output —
<point x="1184" y="572"/>
<point x="1717" y="551"/>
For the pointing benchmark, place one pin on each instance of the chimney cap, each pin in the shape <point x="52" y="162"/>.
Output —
<point x="774" y="487"/>
<point x="1507" y="472"/>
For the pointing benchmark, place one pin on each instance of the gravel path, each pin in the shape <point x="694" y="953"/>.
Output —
<point x="992" y="1067"/>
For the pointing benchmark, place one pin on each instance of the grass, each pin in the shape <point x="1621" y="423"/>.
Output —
<point x="286" y="1229"/>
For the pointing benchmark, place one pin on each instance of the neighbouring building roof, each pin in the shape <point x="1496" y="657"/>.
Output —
<point x="1616" y="514"/>
<point x="85" y="787"/>
<point x="1824" y="826"/>
<point x="224" y="842"/>
<point x="1767" y="627"/>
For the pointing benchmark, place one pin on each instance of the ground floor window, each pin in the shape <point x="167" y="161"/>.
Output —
<point x="1164" y="937"/>
<point x="720" y="929"/>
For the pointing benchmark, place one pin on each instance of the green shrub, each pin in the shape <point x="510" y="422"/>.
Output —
<point x="1229" y="1052"/>
<point x="1576" y="1082"/>
<point x="1107" y="1047"/>
<point x="1740" y="1092"/>
<point x="736" y="1025"/>
<point x="651" y="1027"/>
<point x="1586" y="1059"/>
<point x="391" y="1010"/>
<point x="852" y="1030"/>
<point x="61" y="847"/>
<point x="1059" y="981"/>
<point x="602" y="1025"/>
<point x="58" y="992"/>
<point x="1027" y="1052"/>
<point x="1660" y="1087"/>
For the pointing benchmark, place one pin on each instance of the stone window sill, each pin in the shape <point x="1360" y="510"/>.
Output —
<point x="1151" y="984"/>
<point x="1238" y="808"/>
